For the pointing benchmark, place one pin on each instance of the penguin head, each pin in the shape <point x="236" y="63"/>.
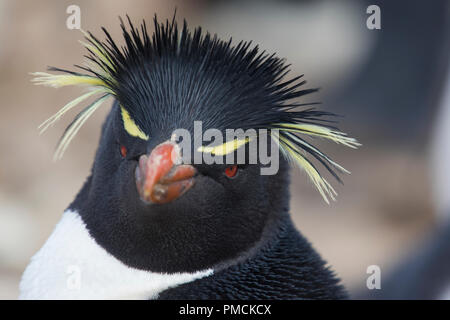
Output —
<point x="164" y="215"/>
<point x="148" y="202"/>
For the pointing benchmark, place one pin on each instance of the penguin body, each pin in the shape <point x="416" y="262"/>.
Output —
<point x="71" y="265"/>
<point x="284" y="267"/>
<point x="149" y="222"/>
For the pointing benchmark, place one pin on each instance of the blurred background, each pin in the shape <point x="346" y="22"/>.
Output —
<point x="390" y="84"/>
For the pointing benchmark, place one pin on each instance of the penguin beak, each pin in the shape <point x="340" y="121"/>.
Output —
<point x="160" y="176"/>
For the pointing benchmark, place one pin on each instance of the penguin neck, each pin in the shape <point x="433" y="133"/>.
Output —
<point x="274" y="224"/>
<point x="157" y="251"/>
<point x="283" y="266"/>
<point x="71" y="265"/>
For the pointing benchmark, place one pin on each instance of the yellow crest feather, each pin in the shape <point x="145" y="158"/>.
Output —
<point x="63" y="80"/>
<point x="319" y="131"/>
<point x="224" y="148"/>
<point x="73" y="128"/>
<point x="98" y="84"/>
<point x="291" y="146"/>
<point x="131" y="127"/>
<point x="322" y="185"/>
<point x="50" y="121"/>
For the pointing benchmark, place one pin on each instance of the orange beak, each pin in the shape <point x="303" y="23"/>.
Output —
<point x="159" y="179"/>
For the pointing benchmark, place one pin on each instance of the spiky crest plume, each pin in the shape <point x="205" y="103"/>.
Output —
<point x="174" y="74"/>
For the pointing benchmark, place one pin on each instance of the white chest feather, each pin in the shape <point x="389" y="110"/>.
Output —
<point x="71" y="265"/>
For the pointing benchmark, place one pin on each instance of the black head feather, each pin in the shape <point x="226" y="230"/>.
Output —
<point x="175" y="77"/>
<point x="168" y="81"/>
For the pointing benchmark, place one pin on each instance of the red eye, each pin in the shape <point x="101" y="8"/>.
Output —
<point x="123" y="151"/>
<point x="231" y="171"/>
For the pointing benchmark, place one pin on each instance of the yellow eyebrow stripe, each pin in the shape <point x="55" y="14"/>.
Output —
<point x="131" y="127"/>
<point x="224" y="149"/>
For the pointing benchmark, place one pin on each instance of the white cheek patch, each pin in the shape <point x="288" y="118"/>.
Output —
<point x="71" y="265"/>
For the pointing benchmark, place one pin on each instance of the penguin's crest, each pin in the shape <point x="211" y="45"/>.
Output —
<point x="264" y="102"/>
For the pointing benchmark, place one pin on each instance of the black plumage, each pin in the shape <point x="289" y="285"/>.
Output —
<point x="240" y="227"/>
<point x="284" y="267"/>
<point x="167" y="80"/>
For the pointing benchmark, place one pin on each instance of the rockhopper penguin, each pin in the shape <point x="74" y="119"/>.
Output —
<point x="150" y="224"/>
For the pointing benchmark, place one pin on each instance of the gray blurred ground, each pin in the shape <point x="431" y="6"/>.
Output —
<point x="383" y="210"/>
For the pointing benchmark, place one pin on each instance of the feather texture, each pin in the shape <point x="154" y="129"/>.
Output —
<point x="173" y="78"/>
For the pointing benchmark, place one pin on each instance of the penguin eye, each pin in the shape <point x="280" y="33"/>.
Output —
<point x="231" y="171"/>
<point x="123" y="151"/>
